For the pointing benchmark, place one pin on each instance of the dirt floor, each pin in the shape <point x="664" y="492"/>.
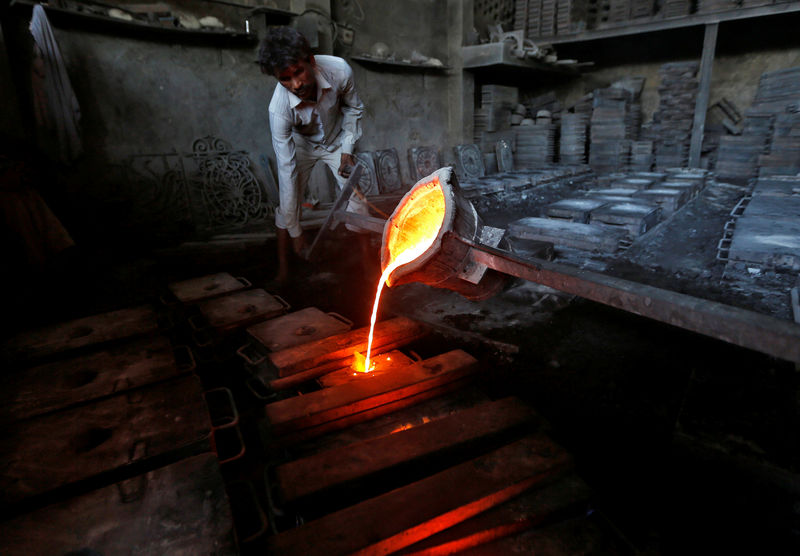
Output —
<point x="690" y="444"/>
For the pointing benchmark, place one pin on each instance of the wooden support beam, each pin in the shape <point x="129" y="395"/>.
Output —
<point x="336" y="402"/>
<point x="68" y="382"/>
<point x="701" y="104"/>
<point x="337" y="468"/>
<point x="314" y="359"/>
<point x="406" y="515"/>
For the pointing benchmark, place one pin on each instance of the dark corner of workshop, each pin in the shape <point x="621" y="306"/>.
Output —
<point x="328" y="277"/>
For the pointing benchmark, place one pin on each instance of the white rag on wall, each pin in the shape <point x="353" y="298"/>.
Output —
<point x="57" y="111"/>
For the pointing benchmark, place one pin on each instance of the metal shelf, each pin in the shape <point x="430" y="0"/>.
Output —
<point x="105" y="24"/>
<point x="633" y="27"/>
<point x="397" y="64"/>
<point x="498" y="55"/>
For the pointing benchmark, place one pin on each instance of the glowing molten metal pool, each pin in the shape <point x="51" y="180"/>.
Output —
<point x="412" y="230"/>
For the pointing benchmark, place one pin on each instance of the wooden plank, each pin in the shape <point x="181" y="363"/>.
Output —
<point x="562" y="499"/>
<point x="204" y="287"/>
<point x="701" y="103"/>
<point x="339" y="401"/>
<point x="179" y="509"/>
<point x="411" y="513"/>
<point x="336" y="351"/>
<point x="299" y="327"/>
<point x="102" y="438"/>
<point x="384" y="363"/>
<point x="61" y="384"/>
<point x="82" y="332"/>
<point x="338" y="467"/>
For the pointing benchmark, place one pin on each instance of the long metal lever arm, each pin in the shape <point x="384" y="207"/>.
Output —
<point x="756" y="331"/>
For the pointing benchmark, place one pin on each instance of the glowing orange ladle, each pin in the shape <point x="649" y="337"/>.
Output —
<point x="412" y="230"/>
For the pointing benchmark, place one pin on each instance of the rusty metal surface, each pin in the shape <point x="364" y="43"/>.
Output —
<point x="80" y="333"/>
<point x="299" y="327"/>
<point x="45" y="388"/>
<point x="107" y="438"/>
<point x="240" y="308"/>
<point x="202" y="287"/>
<point x="179" y="509"/>
<point x="741" y="327"/>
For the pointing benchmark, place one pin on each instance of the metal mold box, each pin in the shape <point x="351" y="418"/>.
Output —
<point x="205" y="287"/>
<point x="241" y="309"/>
<point x="299" y="327"/>
<point x="635" y="218"/>
<point x="576" y="210"/>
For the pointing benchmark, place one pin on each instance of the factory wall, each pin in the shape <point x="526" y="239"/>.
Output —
<point x="141" y="95"/>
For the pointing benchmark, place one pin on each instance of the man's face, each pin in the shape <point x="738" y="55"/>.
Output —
<point x="299" y="78"/>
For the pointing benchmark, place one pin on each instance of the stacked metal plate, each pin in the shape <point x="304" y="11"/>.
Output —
<point x="704" y="6"/>
<point x="618" y="10"/>
<point x="784" y="151"/>
<point x="610" y="148"/>
<point x="672" y="122"/>
<point x="642" y="8"/>
<point x="609" y="156"/>
<point x="498" y="102"/>
<point x="572" y="147"/>
<point x="675" y="8"/>
<point x="548" y="19"/>
<point x="737" y="157"/>
<point x="641" y="156"/>
<point x="528" y="16"/>
<point x="777" y="89"/>
<point x="563" y="16"/>
<point x="535" y="145"/>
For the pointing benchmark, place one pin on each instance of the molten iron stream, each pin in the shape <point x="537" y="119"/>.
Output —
<point x="412" y="231"/>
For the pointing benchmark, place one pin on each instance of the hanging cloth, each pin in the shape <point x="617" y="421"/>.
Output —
<point x="55" y="106"/>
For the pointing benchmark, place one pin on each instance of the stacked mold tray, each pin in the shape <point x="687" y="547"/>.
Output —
<point x="609" y="149"/>
<point x="105" y="427"/>
<point x="738" y="156"/>
<point x="672" y="121"/>
<point x="572" y="145"/>
<point x="763" y="234"/>
<point x="784" y="150"/>
<point x="608" y="219"/>
<point x="410" y="457"/>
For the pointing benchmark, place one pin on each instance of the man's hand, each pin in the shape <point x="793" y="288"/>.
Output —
<point x="299" y="244"/>
<point x="346" y="165"/>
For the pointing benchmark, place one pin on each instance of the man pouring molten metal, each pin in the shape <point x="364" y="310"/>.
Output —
<point x="314" y="116"/>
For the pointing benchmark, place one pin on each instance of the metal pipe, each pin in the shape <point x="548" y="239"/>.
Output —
<point x="762" y="333"/>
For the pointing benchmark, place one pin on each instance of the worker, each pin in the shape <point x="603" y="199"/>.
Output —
<point x="314" y="116"/>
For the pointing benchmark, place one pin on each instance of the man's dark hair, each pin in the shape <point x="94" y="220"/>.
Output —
<point x="280" y="48"/>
